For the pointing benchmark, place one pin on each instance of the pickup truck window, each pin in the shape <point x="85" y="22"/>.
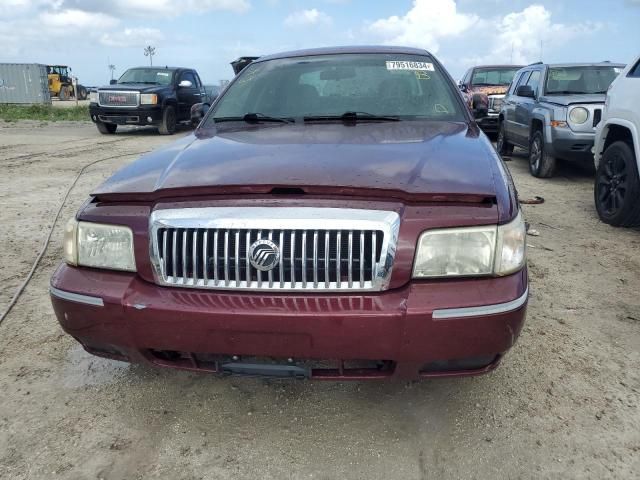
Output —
<point x="635" y="71"/>
<point x="152" y="76"/>
<point x="493" y="76"/>
<point x="189" y="76"/>
<point x="580" y="80"/>
<point x="404" y="86"/>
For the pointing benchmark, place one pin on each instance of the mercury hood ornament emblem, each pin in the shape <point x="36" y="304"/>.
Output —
<point x="264" y="255"/>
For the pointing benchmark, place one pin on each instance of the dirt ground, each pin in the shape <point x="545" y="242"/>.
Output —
<point x="564" y="403"/>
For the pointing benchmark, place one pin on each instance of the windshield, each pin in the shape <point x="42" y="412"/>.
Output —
<point x="156" y="76"/>
<point x="493" y="76"/>
<point x="580" y="80"/>
<point x="404" y="86"/>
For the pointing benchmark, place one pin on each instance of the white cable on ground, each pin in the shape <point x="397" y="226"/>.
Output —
<point x="26" y="281"/>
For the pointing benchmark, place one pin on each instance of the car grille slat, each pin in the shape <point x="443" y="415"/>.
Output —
<point x="113" y="98"/>
<point x="318" y="259"/>
<point x="597" y="116"/>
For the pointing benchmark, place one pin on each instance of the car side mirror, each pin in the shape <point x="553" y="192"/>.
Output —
<point x="185" y="84"/>
<point x="113" y="81"/>
<point x="525" y="91"/>
<point x="462" y="87"/>
<point x="198" y="111"/>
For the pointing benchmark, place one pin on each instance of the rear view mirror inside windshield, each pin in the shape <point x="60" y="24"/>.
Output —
<point x="338" y="73"/>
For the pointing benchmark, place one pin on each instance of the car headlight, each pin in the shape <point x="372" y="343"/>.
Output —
<point x="579" y="115"/>
<point x="471" y="251"/>
<point x="93" y="97"/>
<point x="97" y="245"/>
<point x="148" y="99"/>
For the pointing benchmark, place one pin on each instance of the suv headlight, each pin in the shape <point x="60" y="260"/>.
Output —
<point x="97" y="245"/>
<point x="93" y="97"/>
<point x="471" y="251"/>
<point x="148" y="99"/>
<point x="579" y="115"/>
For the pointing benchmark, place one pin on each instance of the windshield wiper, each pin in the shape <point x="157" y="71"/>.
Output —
<point x="254" y="118"/>
<point x="352" y="117"/>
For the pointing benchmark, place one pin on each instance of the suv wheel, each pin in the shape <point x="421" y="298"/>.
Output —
<point x="106" y="128"/>
<point x="168" y="125"/>
<point x="617" y="189"/>
<point x="541" y="164"/>
<point x="504" y="148"/>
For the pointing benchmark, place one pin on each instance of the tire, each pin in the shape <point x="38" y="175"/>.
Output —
<point x="168" y="125"/>
<point x="82" y="93"/>
<point x="504" y="148"/>
<point x="63" y="94"/>
<point x="617" y="186"/>
<point x="541" y="164"/>
<point x="106" y="128"/>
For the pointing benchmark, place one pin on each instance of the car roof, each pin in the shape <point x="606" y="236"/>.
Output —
<point x="583" y="64"/>
<point x="345" y="50"/>
<point x="161" y="67"/>
<point x="499" y="66"/>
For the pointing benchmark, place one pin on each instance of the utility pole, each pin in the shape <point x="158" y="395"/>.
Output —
<point x="150" y="51"/>
<point x="112" y="68"/>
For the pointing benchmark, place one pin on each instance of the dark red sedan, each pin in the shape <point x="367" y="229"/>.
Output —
<point x="336" y="215"/>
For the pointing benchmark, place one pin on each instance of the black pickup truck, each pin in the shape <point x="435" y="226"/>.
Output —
<point x="161" y="96"/>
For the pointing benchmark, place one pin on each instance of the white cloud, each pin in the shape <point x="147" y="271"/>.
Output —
<point x="424" y="24"/>
<point x="307" y="17"/>
<point x="132" y="37"/>
<point x="77" y="19"/>
<point x="518" y="35"/>
<point x="156" y="8"/>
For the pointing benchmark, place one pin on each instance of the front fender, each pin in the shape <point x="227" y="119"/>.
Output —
<point x="602" y="132"/>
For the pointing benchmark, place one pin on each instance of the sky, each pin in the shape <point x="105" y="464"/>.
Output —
<point x="88" y="35"/>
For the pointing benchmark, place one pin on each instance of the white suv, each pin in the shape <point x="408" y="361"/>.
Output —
<point x="617" y="151"/>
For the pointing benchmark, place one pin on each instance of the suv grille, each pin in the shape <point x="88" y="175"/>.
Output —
<point x="495" y="102"/>
<point x="110" y="98"/>
<point x="351" y="254"/>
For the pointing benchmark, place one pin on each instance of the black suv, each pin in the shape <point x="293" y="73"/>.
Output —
<point x="161" y="96"/>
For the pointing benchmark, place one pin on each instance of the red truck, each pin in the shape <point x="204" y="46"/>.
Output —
<point x="337" y="214"/>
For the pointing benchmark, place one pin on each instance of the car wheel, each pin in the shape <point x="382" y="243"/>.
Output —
<point x="106" y="128"/>
<point x="168" y="125"/>
<point x="541" y="164"/>
<point x="504" y="148"/>
<point x="617" y="188"/>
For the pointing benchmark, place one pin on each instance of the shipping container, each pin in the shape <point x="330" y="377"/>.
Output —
<point x="24" y="83"/>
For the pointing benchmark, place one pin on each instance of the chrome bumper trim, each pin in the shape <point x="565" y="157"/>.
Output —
<point x="76" y="297"/>
<point x="481" y="310"/>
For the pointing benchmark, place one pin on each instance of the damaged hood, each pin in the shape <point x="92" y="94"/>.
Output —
<point x="421" y="160"/>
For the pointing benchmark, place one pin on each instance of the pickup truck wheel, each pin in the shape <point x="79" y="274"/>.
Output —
<point x="106" y="128"/>
<point x="541" y="164"/>
<point x="504" y="148"/>
<point x="168" y="125"/>
<point x="617" y="188"/>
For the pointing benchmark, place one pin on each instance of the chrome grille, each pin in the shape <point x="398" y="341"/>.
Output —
<point x="110" y="98"/>
<point x="495" y="102"/>
<point x="210" y="248"/>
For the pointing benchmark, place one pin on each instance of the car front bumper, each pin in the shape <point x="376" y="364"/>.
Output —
<point x="425" y="329"/>
<point x="489" y="123"/>
<point x="143" y="115"/>
<point x="574" y="146"/>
